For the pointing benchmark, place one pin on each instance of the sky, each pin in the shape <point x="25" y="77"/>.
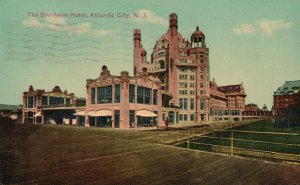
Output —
<point x="251" y="41"/>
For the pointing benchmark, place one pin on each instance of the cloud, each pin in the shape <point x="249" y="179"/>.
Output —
<point x="264" y="26"/>
<point x="32" y="22"/>
<point x="150" y="16"/>
<point x="244" y="29"/>
<point x="268" y="27"/>
<point x="55" y="20"/>
<point x="60" y="24"/>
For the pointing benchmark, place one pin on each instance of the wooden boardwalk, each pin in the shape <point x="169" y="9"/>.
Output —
<point x="74" y="155"/>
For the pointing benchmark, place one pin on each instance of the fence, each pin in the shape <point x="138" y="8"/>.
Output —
<point x="226" y="138"/>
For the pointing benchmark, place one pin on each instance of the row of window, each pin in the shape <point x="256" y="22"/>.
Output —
<point x="185" y="92"/>
<point x="185" y="84"/>
<point x="235" y="100"/>
<point x="185" y="77"/>
<point x="48" y="100"/>
<point x="184" y="68"/>
<point x="104" y="95"/>
<point x="184" y="117"/>
<point x="216" y="112"/>
<point x="183" y="103"/>
<point x="190" y="117"/>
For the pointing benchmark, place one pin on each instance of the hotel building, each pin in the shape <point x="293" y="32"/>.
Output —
<point x="287" y="103"/>
<point x="188" y="95"/>
<point x="123" y="101"/>
<point x="41" y="106"/>
<point x="174" y="85"/>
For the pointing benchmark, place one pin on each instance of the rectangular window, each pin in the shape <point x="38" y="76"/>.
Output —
<point x="185" y="117"/>
<point x="192" y="103"/>
<point x="147" y="96"/>
<point x="185" y="103"/>
<point x="131" y="118"/>
<point x="180" y="117"/>
<point x="93" y="97"/>
<point x="192" y="77"/>
<point x="30" y="102"/>
<point x="192" y="84"/>
<point x="140" y="93"/>
<point x="201" y="84"/>
<point x="201" y="77"/>
<point x="192" y="117"/>
<point x="52" y="101"/>
<point x="181" y="103"/>
<point x="131" y="93"/>
<point x="154" y="97"/>
<point x="60" y="101"/>
<point x="143" y="95"/>
<point x="117" y="118"/>
<point x="182" y="84"/>
<point x="104" y="94"/>
<point x="192" y="92"/>
<point x="202" y="117"/>
<point x="44" y="100"/>
<point x="68" y="101"/>
<point x="202" y="104"/>
<point x="117" y="93"/>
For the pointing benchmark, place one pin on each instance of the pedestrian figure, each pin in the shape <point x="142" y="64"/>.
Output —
<point x="167" y="123"/>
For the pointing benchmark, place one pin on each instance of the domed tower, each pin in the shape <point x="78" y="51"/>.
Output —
<point x="198" y="38"/>
<point x="201" y="53"/>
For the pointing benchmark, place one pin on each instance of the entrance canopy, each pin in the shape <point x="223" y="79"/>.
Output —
<point x="145" y="113"/>
<point x="80" y="113"/>
<point x="100" y="113"/>
<point x="38" y="114"/>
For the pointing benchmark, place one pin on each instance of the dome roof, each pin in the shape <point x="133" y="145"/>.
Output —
<point x="197" y="33"/>
<point x="166" y="37"/>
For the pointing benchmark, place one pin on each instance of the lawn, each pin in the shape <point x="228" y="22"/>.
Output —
<point x="261" y="135"/>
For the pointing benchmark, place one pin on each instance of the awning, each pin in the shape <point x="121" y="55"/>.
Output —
<point x="90" y="113"/>
<point x="100" y="113"/>
<point x="80" y="113"/>
<point x="145" y="113"/>
<point x="38" y="114"/>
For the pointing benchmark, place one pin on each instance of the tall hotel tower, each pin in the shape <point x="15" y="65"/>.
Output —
<point x="183" y="68"/>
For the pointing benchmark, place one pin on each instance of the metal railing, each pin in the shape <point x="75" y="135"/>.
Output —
<point x="227" y="138"/>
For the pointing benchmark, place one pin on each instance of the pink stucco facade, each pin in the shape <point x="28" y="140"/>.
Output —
<point x="40" y="106"/>
<point x="125" y="97"/>
<point x="183" y="67"/>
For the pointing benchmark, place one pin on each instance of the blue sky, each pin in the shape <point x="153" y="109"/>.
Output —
<point x="253" y="42"/>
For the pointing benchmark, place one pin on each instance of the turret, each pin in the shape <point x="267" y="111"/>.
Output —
<point x="137" y="38"/>
<point x="198" y="38"/>
<point x="173" y="23"/>
<point x="139" y="53"/>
